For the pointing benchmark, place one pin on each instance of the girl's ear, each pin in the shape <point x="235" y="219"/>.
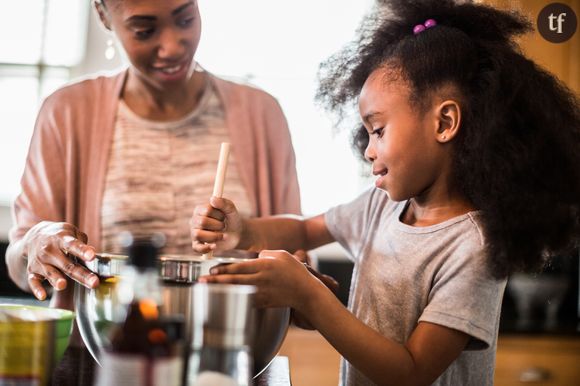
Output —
<point x="449" y="118"/>
<point x="103" y="15"/>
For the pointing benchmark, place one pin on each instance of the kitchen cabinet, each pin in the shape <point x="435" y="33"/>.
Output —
<point x="562" y="59"/>
<point x="537" y="360"/>
<point x="313" y="361"/>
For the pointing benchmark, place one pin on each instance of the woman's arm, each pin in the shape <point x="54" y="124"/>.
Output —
<point x="46" y="252"/>
<point x="16" y="264"/>
<point x="41" y="246"/>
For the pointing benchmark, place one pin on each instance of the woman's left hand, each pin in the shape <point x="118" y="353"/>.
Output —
<point x="281" y="280"/>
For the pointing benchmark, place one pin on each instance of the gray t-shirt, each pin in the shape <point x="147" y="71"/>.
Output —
<point x="404" y="275"/>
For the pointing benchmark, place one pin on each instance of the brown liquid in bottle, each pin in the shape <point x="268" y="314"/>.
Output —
<point x="146" y="348"/>
<point x="145" y="332"/>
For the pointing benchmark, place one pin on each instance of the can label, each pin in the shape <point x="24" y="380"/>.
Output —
<point x="25" y="353"/>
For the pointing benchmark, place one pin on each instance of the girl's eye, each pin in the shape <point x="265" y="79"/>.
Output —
<point x="144" y="33"/>
<point x="378" y="132"/>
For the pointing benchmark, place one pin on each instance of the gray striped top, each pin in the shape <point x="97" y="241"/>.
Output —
<point x="159" y="171"/>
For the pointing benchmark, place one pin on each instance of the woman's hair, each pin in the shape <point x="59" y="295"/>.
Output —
<point x="517" y="154"/>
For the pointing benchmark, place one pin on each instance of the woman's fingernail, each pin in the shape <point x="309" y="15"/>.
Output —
<point x="89" y="255"/>
<point x="60" y="284"/>
<point x="92" y="281"/>
<point x="214" y="271"/>
<point x="39" y="294"/>
<point x="202" y="280"/>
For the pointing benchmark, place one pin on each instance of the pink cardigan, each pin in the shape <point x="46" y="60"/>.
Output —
<point x="68" y="155"/>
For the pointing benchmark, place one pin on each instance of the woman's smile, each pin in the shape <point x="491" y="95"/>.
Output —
<point x="172" y="72"/>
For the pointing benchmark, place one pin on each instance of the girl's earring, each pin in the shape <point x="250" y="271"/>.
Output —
<point x="110" y="50"/>
<point x="443" y="137"/>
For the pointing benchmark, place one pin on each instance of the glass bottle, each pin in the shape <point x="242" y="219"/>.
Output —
<point x="223" y="324"/>
<point x="146" y="348"/>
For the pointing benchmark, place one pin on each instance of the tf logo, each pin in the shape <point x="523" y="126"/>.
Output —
<point x="557" y="22"/>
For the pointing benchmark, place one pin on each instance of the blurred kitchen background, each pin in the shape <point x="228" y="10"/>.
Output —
<point x="277" y="45"/>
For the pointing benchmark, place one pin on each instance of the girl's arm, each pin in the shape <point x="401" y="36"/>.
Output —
<point x="218" y="225"/>
<point x="430" y="349"/>
<point x="286" y="232"/>
<point x="282" y="280"/>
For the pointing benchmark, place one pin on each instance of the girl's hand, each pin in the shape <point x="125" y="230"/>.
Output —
<point x="217" y="225"/>
<point x="281" y="280"/>
<point x="51" y="248"/>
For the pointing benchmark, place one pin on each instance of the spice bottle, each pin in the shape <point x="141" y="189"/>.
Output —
<point x="146" y="348"/>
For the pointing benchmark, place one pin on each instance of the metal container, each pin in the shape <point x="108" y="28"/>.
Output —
<point x="32" y="342"/>
<point x="97" y="309"/>
<point x="224" y="331"/>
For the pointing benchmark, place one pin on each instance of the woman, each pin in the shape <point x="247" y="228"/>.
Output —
<point x="136" y="151"/>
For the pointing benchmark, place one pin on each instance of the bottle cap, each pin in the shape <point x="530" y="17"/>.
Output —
<point x="142" y="250"/>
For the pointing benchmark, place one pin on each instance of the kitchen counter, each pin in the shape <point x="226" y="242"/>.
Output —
<point x="77" y="368"/>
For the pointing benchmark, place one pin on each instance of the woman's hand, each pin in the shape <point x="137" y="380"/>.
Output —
<point x="217" y="225"/>
<point x="51" y="248"/>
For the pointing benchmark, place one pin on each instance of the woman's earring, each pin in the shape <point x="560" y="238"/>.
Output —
<point x="443" y="137"/>
<point x="110" y="50"/>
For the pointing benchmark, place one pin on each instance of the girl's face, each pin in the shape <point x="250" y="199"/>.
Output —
<point x="159" y="37"/>
<point x="404" y="146"/>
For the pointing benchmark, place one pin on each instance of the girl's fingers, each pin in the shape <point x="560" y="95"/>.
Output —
<point x="229" y="279"/>
<point x="207" y="223"/>
<point x="302" y="256"/>
<point x="203" y="236"/>
<point x="208" y="211"/>
<point x="276" y="254"/>
<point x="72" y="245"/>
<point x="35" y="284"/>
<point x="243" y="268"/>
<point x="202" y="247"/>
<point x="223" y="204"/>
<point x="262" y="298"/>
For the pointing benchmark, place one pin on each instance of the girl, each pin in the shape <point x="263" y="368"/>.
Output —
<point x="477" y="157"/>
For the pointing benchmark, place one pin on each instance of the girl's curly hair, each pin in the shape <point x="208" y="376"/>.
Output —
<point x="517" y="155"/>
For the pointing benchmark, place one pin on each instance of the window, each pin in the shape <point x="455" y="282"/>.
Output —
<point x="41" y="41"/>
<point x="275" y="45"/>
<point x="278" y="46"/>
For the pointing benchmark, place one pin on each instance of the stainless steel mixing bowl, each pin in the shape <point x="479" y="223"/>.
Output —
<point x="96" y="309"/>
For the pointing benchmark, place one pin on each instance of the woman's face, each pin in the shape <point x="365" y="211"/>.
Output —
<point x="405" y="155"/>
<point x="160" y="38"/>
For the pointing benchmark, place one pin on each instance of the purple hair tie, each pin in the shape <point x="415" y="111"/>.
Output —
<point x="429" y="23"/>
